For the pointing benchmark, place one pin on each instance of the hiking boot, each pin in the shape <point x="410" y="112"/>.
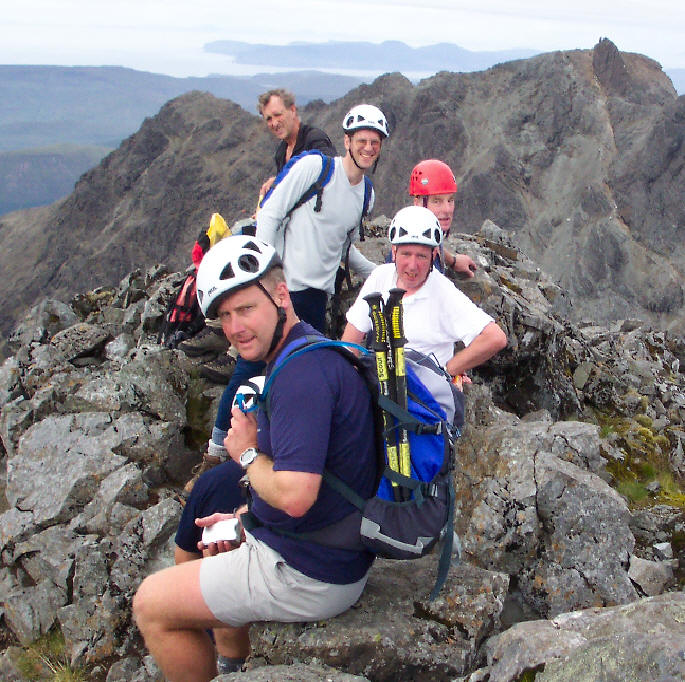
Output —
<point x="220" y="370"/>
<point x="215" y="455"/>
<point x="209" y="340"/>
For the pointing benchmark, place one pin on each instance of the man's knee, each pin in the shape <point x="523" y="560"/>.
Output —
<point x="142" y="604"/>
<point x="147" y="607"/>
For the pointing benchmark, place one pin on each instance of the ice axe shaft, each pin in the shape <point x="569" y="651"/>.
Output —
<point x="394" y="320"/>
<point x="379" y="344"/>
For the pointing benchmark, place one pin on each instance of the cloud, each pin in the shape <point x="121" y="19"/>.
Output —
<point x="40" y="30"/>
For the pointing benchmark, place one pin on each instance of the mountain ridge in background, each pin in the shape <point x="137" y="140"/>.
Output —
<point x="44" y="149"/>
<point x="95" y="108"/>
<point x="101" y="105"/>
<point x="579" y="156"/>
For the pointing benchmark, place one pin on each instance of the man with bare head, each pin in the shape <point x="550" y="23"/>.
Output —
<point x="277" y="108"/>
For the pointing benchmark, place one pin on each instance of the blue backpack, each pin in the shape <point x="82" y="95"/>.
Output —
<point x="317" y="187"/>
<point x="391" y="529"/>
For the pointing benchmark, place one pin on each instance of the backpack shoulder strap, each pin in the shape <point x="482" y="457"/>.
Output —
<point x="297" y="347"/>
<point x="315" y="189"/>
<point x="368" y="189"/>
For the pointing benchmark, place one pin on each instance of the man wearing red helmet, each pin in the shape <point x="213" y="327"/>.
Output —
<point x="433" y="186"/>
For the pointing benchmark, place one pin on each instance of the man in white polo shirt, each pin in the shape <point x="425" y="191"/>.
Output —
<point x="436" y="313"/>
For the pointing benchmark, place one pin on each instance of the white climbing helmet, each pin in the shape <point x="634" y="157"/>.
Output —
<point x="365" y="117"/>
<point x="232" y="263"/>
<point x="415" y="225"/>
<point x="246" y="396"/>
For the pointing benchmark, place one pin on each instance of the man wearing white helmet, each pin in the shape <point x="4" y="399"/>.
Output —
<point x="312" y="242"/>
<point x="320" y="411"/>
<point x="315" y="239"/>
<point x="436" y="313"/>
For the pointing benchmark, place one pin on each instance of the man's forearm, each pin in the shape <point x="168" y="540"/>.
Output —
<point x="360" y="263"/>
<point x="352" y="335"/>
<point x="490" y="341"/>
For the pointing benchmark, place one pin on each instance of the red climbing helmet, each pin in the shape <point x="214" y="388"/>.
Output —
<point x="432" y="177"/>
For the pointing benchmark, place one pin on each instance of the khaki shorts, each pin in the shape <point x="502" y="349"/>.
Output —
<point x="254" y="583"/>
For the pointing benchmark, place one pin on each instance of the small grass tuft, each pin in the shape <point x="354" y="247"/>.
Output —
<point x="46" y="660"/>
<point x="647" y="471"/>
<point x="606" y="430"/>
<point x="670" y="492"/>
<point x="633" y="490"/>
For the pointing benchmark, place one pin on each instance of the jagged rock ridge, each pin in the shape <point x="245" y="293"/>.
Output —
<point x="578" y="153"/>
<point x="546" y="539"/>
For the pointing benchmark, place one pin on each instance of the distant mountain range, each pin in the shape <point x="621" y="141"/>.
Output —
<point x="46" y="105"/>
<point x="390" y="55"/>
<point x="379" y="58"/>
<point x="35" y="177"/>
<point x="56" y="122"/>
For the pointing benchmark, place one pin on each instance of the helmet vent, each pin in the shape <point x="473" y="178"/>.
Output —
<point x="227" y="272"/>
<point x="252" y="246"/>
<point x="248" y="263"/>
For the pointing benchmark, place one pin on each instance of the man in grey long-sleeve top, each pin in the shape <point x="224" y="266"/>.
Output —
<point x="312" y="243"/>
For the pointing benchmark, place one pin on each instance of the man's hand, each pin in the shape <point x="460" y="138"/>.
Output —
<point x="241" y="435"/>
<point x="463" y="264"/>
<point x="215" y="548"/>
<point x="267" y="186"/>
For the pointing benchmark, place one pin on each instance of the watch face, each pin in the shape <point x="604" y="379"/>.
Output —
<point x="248" y="457"/>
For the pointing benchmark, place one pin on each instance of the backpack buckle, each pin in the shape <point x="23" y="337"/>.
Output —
<point x="431" y="429"/>
<point x="430" y="490"/>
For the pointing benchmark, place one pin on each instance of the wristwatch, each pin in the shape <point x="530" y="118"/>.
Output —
<point x="247" y="457"/>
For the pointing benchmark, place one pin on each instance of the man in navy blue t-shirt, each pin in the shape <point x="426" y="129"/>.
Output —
<point x="320" y="418"/>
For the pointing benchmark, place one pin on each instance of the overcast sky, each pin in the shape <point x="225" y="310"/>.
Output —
<point x="167" y="36"/>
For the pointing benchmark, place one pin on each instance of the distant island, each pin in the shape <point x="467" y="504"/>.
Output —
<point x="390" y="55"/>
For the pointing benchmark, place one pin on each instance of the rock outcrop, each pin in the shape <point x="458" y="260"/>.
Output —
<point x="100" y="427"/>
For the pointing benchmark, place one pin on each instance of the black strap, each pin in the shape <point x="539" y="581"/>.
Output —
<point x="407" y="420"/>
<point x="315" y="188"/>
<point x="368" y="187"/>
<point x="341" y="534"/>
<point x="447" y="546"/>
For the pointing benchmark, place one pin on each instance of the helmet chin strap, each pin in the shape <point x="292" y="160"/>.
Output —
<point x="278" y="329"/>
<point x="355" y="161"/>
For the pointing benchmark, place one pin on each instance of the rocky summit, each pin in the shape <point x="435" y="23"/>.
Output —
<point x="569" y="485"/>
<point x="579" y="155"/>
